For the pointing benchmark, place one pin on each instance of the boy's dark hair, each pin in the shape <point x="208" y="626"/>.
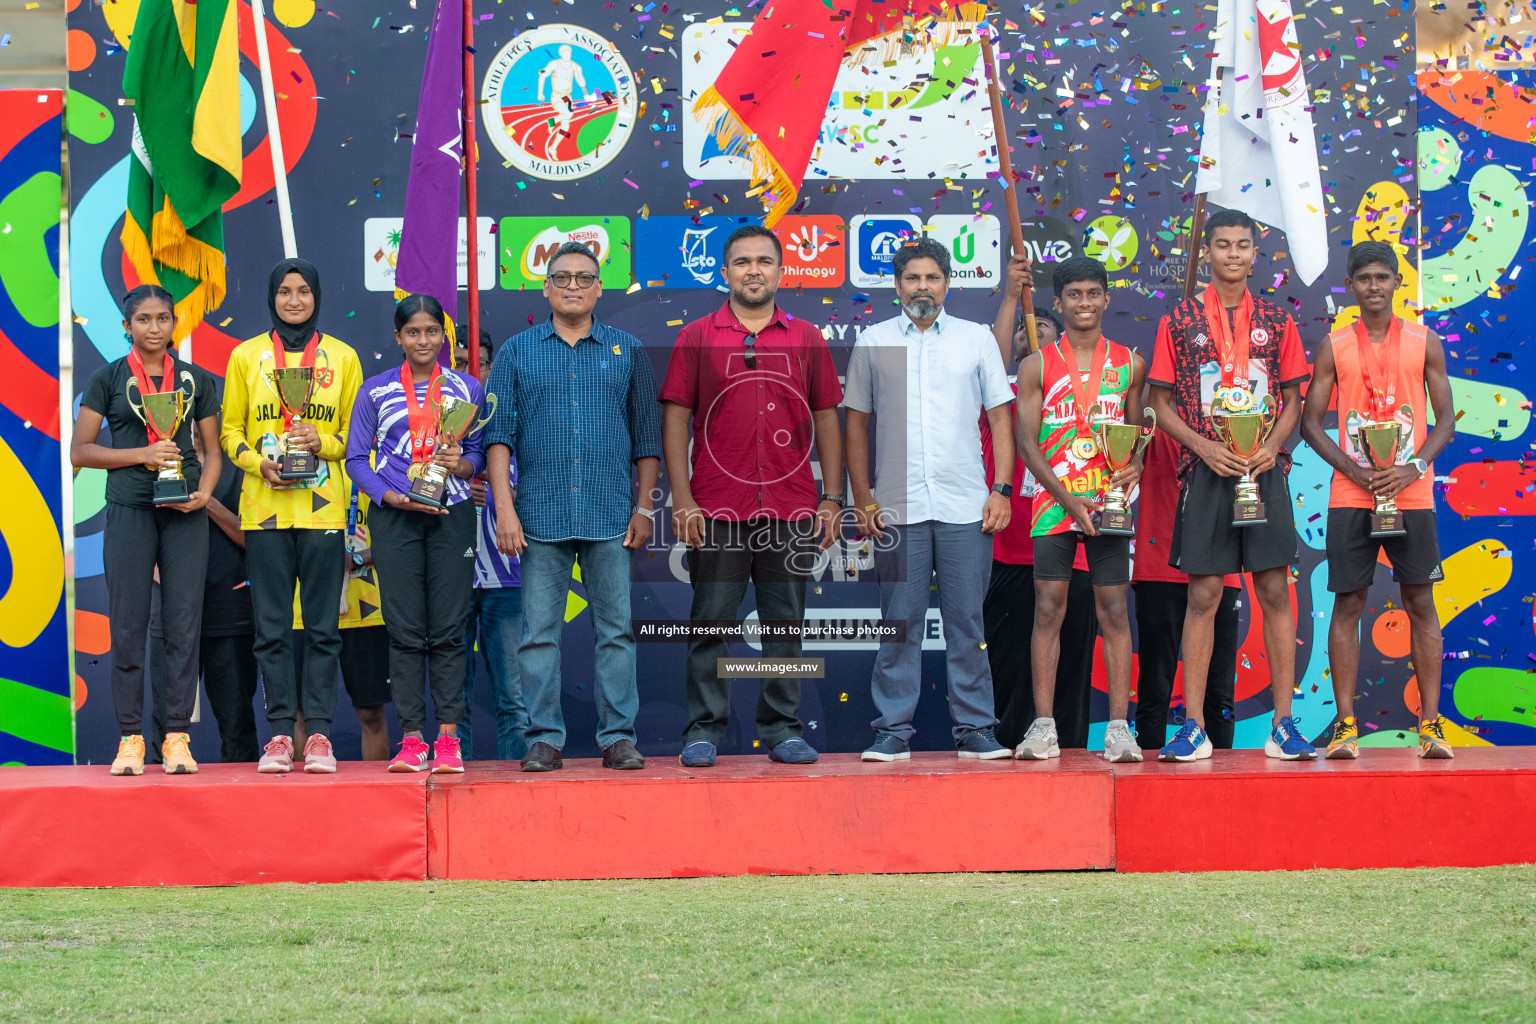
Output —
<point x="922" y="249"/>
<point x="1231" y="219"/>
<point x="1041" y="313"/>
<point x="575" y="248"/>
<point x="1078" y="268"/>
<point x="752" y="231"/>
<point x="1363" y="254"/>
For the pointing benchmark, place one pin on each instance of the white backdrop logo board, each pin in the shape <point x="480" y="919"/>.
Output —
<point x="915" y="118"/>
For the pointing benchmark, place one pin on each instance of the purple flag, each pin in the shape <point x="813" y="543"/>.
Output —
<point x="429" y="242"/>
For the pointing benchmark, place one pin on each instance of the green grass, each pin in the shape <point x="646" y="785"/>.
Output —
<point x="1397" y="946"/>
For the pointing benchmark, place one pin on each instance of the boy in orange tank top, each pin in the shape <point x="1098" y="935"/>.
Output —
<point x="1383" y="369"/>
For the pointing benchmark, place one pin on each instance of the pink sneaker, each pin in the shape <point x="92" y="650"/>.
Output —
<point x="412" y="757"/>
<point x="277" y="757"/>
<point x="445" y="755"/>
<point x="319" y="759"/>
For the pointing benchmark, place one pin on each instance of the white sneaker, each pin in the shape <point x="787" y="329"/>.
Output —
<point x="1039" y="742"/>
<point x="1120" y="747"/>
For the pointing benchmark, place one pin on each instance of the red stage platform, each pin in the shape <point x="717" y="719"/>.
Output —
<point x="1238" y="811"/>
<point x="748" y="816"/>
<point x="226" y="825"/>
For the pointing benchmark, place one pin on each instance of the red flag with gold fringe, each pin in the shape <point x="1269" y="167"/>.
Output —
<point x="769" y="101"/>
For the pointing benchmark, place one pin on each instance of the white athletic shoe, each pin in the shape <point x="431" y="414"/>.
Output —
<point x="1039" y="742"/>
<point x="1120" y="747"/>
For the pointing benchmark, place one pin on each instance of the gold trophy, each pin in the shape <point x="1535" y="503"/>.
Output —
<point x="1383" y="445"/>
<point x="294" y="386"/>
<point x="1121" y="443"/>
<point x="1244" y="424"/>
<point x="162" y="413"/>
<point x="455" y="421"/>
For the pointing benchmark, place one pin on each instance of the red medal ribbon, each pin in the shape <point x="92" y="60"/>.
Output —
<point x="421" y="418"/>
<point x="308" y="359"/>
<point x="1231" y="347"/>
<point x="1086" y="399"/>
<point x="147" y="386"/>
<point x="1382" y="400"/>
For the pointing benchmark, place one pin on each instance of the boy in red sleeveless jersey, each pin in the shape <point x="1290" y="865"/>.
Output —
<point x="1064" y="390"/>
<point x="1383" y="369"/>
<point x="1242" y="347"/>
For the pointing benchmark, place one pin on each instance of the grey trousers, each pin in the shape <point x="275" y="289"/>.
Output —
<point x="960" y="555"/>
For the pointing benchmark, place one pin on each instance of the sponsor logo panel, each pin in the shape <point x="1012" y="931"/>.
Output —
<point x="815" y="251"/>
<point x="381" y="250"/>
<point x="528" y="244"/>
<point x="872" y="244"/>
<point x="1112" y="241"/>
<point x="975" y="247"/>
<point x="683" y="252"/>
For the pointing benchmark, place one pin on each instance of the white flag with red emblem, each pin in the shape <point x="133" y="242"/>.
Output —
<point x="1259" y="154"/>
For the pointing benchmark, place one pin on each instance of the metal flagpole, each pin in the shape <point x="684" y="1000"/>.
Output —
<point x="274" y="133"/>
<point x="471" y="228"/>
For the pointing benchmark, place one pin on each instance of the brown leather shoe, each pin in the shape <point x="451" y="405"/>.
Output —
<point x="542" y="757"/>
<point x="623" y="756"/>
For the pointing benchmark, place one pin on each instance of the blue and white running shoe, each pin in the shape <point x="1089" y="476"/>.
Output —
<point x="1287" y="743"/>
<point x="1190" y="744"/>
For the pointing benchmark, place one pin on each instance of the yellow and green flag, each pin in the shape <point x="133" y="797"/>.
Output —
<point x="183" y="76"/>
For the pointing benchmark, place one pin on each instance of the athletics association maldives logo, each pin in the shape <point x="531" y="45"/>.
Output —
<point x="560" y="102"/>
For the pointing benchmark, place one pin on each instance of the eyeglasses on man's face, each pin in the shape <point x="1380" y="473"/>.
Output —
<point x="564" y="279"/>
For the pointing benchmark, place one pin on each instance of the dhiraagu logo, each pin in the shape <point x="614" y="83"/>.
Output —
<point x="1112" y="241"/>
<point x="975" y="246"/>
<point x="529" y="243"/>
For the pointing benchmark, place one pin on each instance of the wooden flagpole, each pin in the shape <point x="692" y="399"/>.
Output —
<point x="1005" y="170"/>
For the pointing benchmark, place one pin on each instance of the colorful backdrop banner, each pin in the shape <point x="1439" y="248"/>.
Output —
<point x="587" y="132"/>
<point x="36" y="709"/>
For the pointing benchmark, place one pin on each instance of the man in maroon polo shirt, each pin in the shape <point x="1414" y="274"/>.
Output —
<point x="762" y="393"/>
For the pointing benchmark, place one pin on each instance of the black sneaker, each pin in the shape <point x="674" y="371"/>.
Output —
<point x="982" y="745"/>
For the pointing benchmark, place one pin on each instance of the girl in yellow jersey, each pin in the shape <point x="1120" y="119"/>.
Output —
<point x="295" y="530"/>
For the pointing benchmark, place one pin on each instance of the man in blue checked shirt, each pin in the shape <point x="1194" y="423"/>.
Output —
<point x="576" y="406"/>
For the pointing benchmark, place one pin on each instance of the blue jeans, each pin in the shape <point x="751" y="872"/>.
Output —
<point x="496" y="616"/>
<point x="605" y="568"/>
<point x="961" y="556"/>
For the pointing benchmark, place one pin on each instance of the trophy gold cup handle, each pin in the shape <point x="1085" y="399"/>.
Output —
<point x="480" y="424"/>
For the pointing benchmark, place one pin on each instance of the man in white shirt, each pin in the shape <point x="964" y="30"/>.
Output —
<point x="927" y="374"/>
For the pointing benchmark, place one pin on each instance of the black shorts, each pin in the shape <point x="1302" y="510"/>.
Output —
<point x="364" y="664"/>
<point x="1205" y="543"/>
<point x="1109" y="558"/>
<point x="1352" y="551"/>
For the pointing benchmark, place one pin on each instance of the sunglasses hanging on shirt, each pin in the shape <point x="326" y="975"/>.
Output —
<point x="750" y="341"/>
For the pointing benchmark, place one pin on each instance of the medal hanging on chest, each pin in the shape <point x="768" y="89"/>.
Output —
<point x="1084" y="398"/>
<point x="422" y="421"/>
<point x="1232" y="340"/>
<point x="1380" y="381"/>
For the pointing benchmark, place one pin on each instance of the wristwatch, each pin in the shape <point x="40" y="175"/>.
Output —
<point x="1419" y="464"/>
<point x="836" y="499"/>
<point x="649" y="513"/>
<point x="357" y="559"/>
<point x="1006" y="490"/>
